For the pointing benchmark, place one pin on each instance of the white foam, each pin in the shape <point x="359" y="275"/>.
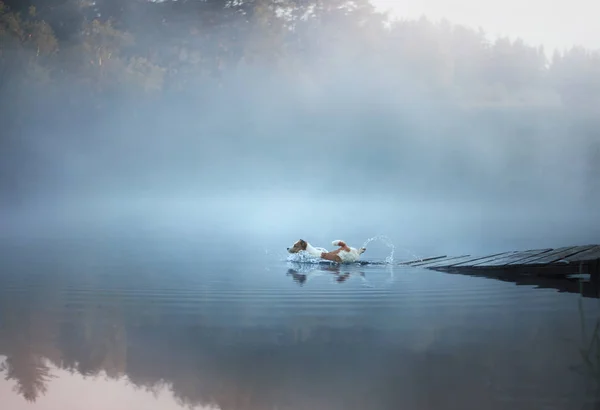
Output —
<point x="305" y="257"/>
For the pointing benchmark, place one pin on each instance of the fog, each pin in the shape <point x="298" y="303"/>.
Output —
<point x="349" y="149"/>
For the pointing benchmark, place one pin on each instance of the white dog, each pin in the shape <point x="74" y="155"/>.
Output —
<point x="345" y="253"/>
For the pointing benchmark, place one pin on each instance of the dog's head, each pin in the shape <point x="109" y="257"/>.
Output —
<point x="300" y="245"/>
<point x="361" y="250"/>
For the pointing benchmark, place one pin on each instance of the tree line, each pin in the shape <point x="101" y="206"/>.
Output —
<point x="145" y="47"/>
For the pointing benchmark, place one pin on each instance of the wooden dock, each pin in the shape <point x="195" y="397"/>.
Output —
<point x="554" y="265"/>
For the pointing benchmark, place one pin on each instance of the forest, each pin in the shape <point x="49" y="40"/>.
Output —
<point x="147" y="48"/>
<point x="102" y="77"/>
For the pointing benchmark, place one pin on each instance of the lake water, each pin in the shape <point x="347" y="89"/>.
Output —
<point x="113" y="324"/>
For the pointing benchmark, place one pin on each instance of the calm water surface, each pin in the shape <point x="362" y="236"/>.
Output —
<point x="110" y="324"/>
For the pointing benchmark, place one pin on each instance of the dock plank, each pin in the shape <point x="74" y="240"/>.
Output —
<point x="447" y="264"/>
<point x="444" y="260"/>
<point x="423" y="260"/>
<point x="556" y="262"/>
<point x="588" y="255"/>
<point x="552" y="256"/>
<point x="517" y="256"/>
<point x="485" y="259"/>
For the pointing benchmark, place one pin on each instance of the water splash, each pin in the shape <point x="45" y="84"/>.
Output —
<point x="305" y="257"/>
<point x="387" y="242"/>
<point x="302" y="257"/>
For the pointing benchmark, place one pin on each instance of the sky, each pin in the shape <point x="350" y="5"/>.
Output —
<point x="556" y="24"/>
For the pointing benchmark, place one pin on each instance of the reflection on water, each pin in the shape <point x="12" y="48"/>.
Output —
<point x="300" y="272"/>
<point x="123" y="329"/>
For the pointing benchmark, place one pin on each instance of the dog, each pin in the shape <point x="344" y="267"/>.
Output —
<point x="345" y="253"/>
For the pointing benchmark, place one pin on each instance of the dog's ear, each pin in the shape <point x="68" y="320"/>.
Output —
<point x="303" y="244"/>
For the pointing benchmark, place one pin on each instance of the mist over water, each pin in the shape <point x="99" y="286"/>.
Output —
<point x="353" y="192"/>
<point x="356" y="149"/>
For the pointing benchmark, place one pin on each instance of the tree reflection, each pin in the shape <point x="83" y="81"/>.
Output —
<point x="30" y="372"/>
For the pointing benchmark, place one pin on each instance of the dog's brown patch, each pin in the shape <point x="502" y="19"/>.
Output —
<point x="332" y="256"/>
